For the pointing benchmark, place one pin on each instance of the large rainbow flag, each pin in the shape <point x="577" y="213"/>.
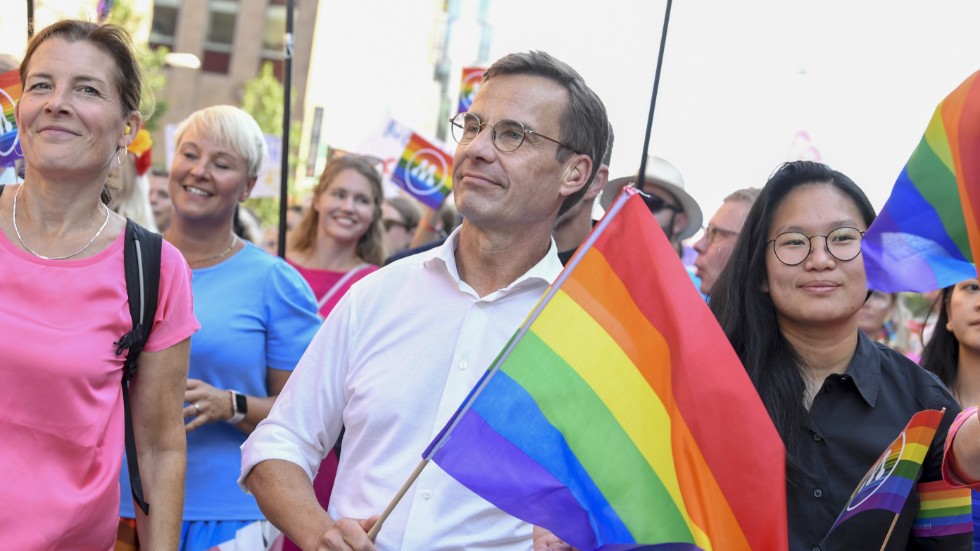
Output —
<point x="943" y="510"/>
<point x="10" y="90"/>
<point x="618" y="414"/>
<point x="926" y="236"/>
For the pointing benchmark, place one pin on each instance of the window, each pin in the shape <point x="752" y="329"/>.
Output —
<point x="223" y="15"/>
<point x="164" y="26"/>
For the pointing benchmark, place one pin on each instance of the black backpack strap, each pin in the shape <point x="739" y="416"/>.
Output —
<point x="141" y="257"/>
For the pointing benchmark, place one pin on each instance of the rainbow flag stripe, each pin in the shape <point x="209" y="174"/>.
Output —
<point x="468" y="85"/>
<point x="10" y="91"/>
<point x="603" y="418"/>
<point x="927" y="235"/>
<point x="889" y="482"/>
<point x="943" y="510"/>
<point x="425" y="171"/>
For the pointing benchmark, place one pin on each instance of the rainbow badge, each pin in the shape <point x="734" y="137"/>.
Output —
<point x="425" y="171"/>
<point x="470" y="83"/>
<point x="10" y="90"/>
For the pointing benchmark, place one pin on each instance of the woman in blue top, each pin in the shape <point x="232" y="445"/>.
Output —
<point x="257" y="316"/>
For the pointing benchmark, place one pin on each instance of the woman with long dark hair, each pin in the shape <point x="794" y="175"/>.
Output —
<point x="789" y="301"/>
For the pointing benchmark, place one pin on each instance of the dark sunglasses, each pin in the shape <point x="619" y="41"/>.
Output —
<point x="656" y="203"/>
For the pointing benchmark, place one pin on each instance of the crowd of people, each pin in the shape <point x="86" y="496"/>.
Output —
<point x="279" y="403"/>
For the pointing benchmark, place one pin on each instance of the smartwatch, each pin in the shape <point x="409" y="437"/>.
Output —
<point x="239" y="404"/>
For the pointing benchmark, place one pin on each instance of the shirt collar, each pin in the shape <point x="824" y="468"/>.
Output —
<point x="865" y="369"/>
<point x="546" y="270"/>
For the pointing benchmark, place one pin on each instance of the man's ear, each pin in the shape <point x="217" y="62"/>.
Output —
<point x="601" y="177"/>
<point x="576" y="175"/>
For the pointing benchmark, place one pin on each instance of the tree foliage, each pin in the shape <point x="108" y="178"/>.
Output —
<point x="153" y="104"/>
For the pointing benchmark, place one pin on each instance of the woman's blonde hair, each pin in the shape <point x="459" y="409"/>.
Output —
<point x="370" y="247"/>
<point x="230" y="126"/>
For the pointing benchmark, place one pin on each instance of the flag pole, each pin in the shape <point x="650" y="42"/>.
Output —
<point x="373" y="532"/>
<point x="888" y="536"/>
<point x="653" y="99"/>
<point x="30" y="19"/>
<point x="287" y="78"/>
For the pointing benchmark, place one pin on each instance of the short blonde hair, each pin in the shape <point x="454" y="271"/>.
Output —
<point x="232" y="127"/>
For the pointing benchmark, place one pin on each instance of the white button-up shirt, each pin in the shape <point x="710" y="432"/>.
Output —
<point x="392" y="363"/>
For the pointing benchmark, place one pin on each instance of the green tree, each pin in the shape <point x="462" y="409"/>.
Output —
<point x="153" y="105"/>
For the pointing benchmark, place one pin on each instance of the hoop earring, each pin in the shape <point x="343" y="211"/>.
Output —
<point x="119" y="158"/>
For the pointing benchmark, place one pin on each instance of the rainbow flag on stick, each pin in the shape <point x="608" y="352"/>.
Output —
<point x="927" y="235"/>
<point x="943" y="511"/>
<point x="10" y="91"/>
<point x="618" y="415"/>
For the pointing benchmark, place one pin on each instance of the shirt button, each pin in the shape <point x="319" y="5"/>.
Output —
<point x="463" y="365"/>
<point x="817" y="548"/>
<point x="427" y="494"/>
<point x="818" y="492"/>
<point x="817" y="437"/>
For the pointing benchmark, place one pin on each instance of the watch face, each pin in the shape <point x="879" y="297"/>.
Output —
<point x="241" y="403"/>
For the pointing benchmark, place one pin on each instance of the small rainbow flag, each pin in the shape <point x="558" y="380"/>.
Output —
<point x="943" y="510"/>
<point x="468" y="85"/>
<point x="425" y="171"/>
<point x="606" y="417"/>
<point x="927" y="235"/>
<point x="889" y="482"/>
<point x="10" y="91"/>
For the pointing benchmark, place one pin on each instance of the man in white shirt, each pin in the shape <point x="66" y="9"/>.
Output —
<point x="404" y="347"/>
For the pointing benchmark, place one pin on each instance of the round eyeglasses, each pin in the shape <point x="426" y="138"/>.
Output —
<point x="792" y="248"/>
<point x="507" y="135"/>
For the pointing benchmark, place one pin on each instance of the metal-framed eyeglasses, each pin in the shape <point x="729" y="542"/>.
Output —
<point x="792" y="248"/>
<point x="714" y="233"/>
<point x="506" y="135"/>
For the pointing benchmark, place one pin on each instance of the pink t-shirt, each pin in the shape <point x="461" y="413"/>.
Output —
<point x="61" y="427"/>
<point x="321" y="281"/>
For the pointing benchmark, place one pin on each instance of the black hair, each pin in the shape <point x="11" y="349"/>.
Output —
<point x="942" y="354"/>
<point x="747" y="314"/>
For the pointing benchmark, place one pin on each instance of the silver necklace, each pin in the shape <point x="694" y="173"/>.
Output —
<point x="234" y="241"/>
<point x="35" y="253"/>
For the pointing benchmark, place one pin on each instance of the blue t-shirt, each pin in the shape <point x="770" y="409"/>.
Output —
<point x="256" y="312"/>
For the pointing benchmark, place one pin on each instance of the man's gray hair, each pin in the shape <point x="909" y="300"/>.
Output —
<point x="749" y="195"/>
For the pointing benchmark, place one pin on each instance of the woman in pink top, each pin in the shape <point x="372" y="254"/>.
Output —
<point x="340" y="238"/>
<point x="64" y="302"/>
<point x="338" y="241"/>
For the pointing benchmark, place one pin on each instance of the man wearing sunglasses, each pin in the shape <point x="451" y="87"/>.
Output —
<point x="404" y="347"/>
<point x="663" y="191"/>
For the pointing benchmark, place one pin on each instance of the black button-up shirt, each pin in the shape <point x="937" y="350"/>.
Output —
<point x="854" y="417"/>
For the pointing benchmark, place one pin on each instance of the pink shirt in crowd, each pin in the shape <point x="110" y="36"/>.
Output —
<point x="321" y="281"/>
<point x="60" y="394"/>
